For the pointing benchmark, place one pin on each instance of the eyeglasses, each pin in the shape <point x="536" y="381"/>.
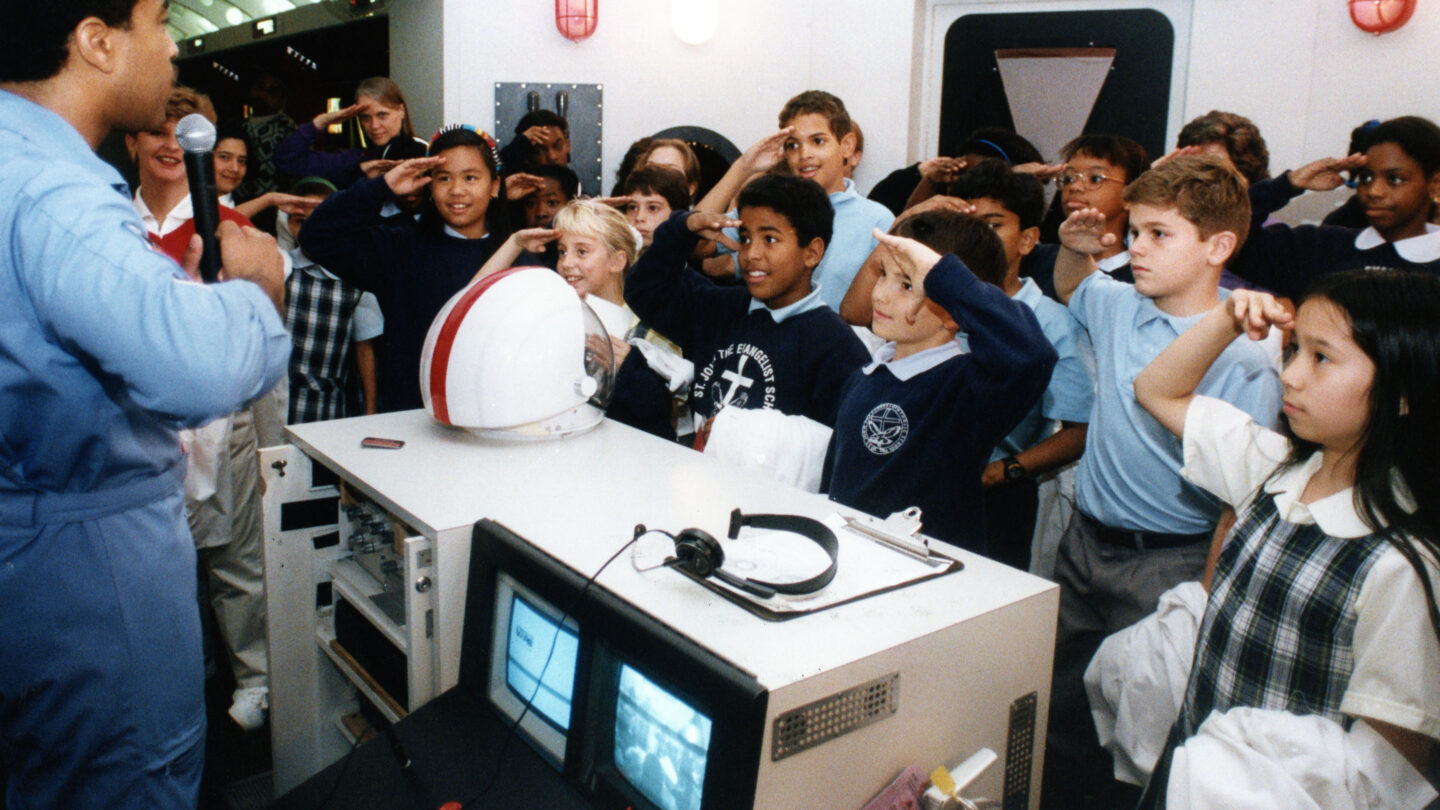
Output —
<point x="1088" y="182"/>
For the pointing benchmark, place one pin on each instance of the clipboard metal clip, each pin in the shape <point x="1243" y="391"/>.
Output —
<point x="900" y="531"/>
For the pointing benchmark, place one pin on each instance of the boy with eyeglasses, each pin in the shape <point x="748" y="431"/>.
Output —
<point x="1097" y="169"/>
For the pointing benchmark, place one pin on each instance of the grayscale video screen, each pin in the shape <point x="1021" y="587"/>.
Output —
<point x="661" y="743"/>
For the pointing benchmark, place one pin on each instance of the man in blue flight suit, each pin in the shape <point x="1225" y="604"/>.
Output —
<point x="105" y="349"/>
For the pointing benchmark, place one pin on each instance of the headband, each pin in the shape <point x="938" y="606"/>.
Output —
<point x="480" y="133"/>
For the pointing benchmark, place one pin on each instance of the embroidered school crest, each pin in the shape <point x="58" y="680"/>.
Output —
<point x="739" y="375"/>
<point x="885" y="428"/>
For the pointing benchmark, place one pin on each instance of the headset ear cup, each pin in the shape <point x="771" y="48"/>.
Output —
<point x="698" y="552"/>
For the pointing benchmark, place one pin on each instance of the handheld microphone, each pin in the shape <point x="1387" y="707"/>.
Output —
<point x="196" y="136"/>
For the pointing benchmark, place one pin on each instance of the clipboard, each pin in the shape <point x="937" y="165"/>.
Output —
<point x="866" y="566"/>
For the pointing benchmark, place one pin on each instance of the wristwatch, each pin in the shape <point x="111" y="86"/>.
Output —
<point x="1014" y="470"/>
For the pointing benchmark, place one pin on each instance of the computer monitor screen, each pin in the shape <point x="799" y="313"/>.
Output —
<point x="533" y="664"/>
<point x="661" y="742"/>
<point x="540" y="665"/>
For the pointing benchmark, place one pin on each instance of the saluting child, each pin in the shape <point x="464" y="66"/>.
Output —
<point x="413" y="270"/>
<point x="596" y="248"/>
<point x="917" y="426"/>
<point x="1323" y="599"/>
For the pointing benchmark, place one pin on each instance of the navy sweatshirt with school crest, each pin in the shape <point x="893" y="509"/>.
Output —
<point x="919" y="431"/>
<point x="742" y="358"/>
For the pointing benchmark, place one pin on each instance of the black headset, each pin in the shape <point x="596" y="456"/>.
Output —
<point x="698" y="553"/>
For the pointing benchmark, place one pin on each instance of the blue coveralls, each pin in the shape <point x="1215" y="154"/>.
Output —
<point x="104" y="350"/>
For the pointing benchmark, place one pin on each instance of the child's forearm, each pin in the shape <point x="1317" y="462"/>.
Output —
<point x="251" y="208"/>
<point x="365" y="365"/>
<point x="1003" y="333"/>
<point x="345" y="236"/>
<point x="856" y="308"/>
<point x="656" y="287"/>
<point x="503" y="257"/>
<point x="1166" y="386"/>
<point x="1269" y="196"/>
<point x="923" y="191"/>
<point x="1217" y="542"/>
<point x="297" y="157"/>
<point x="717" y="201"/>
<point x="1060" y="448"/>
<point x="1071" y="268"/>
<point x="719" y="266"/>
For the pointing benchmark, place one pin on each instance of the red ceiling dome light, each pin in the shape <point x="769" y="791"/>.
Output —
<point x="576" y="18"/>
<point x="1380" y="16"/>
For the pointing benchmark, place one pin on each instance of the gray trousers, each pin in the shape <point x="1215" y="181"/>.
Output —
<point x="1104" y="588"/>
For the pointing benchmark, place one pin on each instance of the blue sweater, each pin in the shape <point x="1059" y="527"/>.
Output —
<point x="1285" y="259"/>
<point x="742" y="358"/>
<point x="641" y="399"/>
<point x="911" y="435"/>
<point x="412" y="270"/>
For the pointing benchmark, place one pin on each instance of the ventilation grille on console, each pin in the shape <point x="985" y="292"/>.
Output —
<point x="834" y="716"/>
<point x="1020" y="752"/>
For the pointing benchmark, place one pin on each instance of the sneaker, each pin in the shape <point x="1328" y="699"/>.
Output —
<point x="250" y="706"/>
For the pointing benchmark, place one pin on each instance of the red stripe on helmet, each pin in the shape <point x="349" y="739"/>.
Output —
<point x="440" y="358"/>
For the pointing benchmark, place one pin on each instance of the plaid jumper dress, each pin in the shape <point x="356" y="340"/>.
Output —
<point x="1279" y="628"/>
<point x="318" y="315"/>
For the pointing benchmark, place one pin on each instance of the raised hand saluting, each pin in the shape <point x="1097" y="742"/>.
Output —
<point x="1084" y="232"/>
<point x="409" y="176"/>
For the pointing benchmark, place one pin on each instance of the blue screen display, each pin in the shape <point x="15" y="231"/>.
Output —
<point x="541" y="657"/>
<point x="661" y="743"/>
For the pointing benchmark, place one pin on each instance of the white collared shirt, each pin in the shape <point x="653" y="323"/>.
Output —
<point x="1417" y="249"/>
<point x="449" y="231"/>
<point x="916" y="364"/>
<point x="182" y="213"/>
<point x="809" y="302"/>
<point x="1229" y="454"/>
<point x="1396" y="656"/>
<point x="1109" y="265"/>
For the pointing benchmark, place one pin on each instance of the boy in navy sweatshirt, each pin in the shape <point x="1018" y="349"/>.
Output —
<point x="916" y="427"/>
<point x="773" y="344"/>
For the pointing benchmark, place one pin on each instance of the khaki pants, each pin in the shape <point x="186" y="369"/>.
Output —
<point x="231" y="551"/>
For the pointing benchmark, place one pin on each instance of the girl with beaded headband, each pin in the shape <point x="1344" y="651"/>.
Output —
<point x="413" y="270"/>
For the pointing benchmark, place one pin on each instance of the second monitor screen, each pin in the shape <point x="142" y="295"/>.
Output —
<point x="661" y="743"/>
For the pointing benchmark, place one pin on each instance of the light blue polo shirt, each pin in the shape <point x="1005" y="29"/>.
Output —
<point x="1129" y="477"/>
<point x="849" y="246"/>
<point x="1071" y="393"/>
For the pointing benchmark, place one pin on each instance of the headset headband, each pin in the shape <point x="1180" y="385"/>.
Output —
<point x="804" y="526"/>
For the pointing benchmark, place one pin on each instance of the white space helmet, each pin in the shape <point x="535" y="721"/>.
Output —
<point x="517" y="354"/>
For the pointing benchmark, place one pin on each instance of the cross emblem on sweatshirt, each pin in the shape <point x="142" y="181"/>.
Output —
<point x="737" y="380"/>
